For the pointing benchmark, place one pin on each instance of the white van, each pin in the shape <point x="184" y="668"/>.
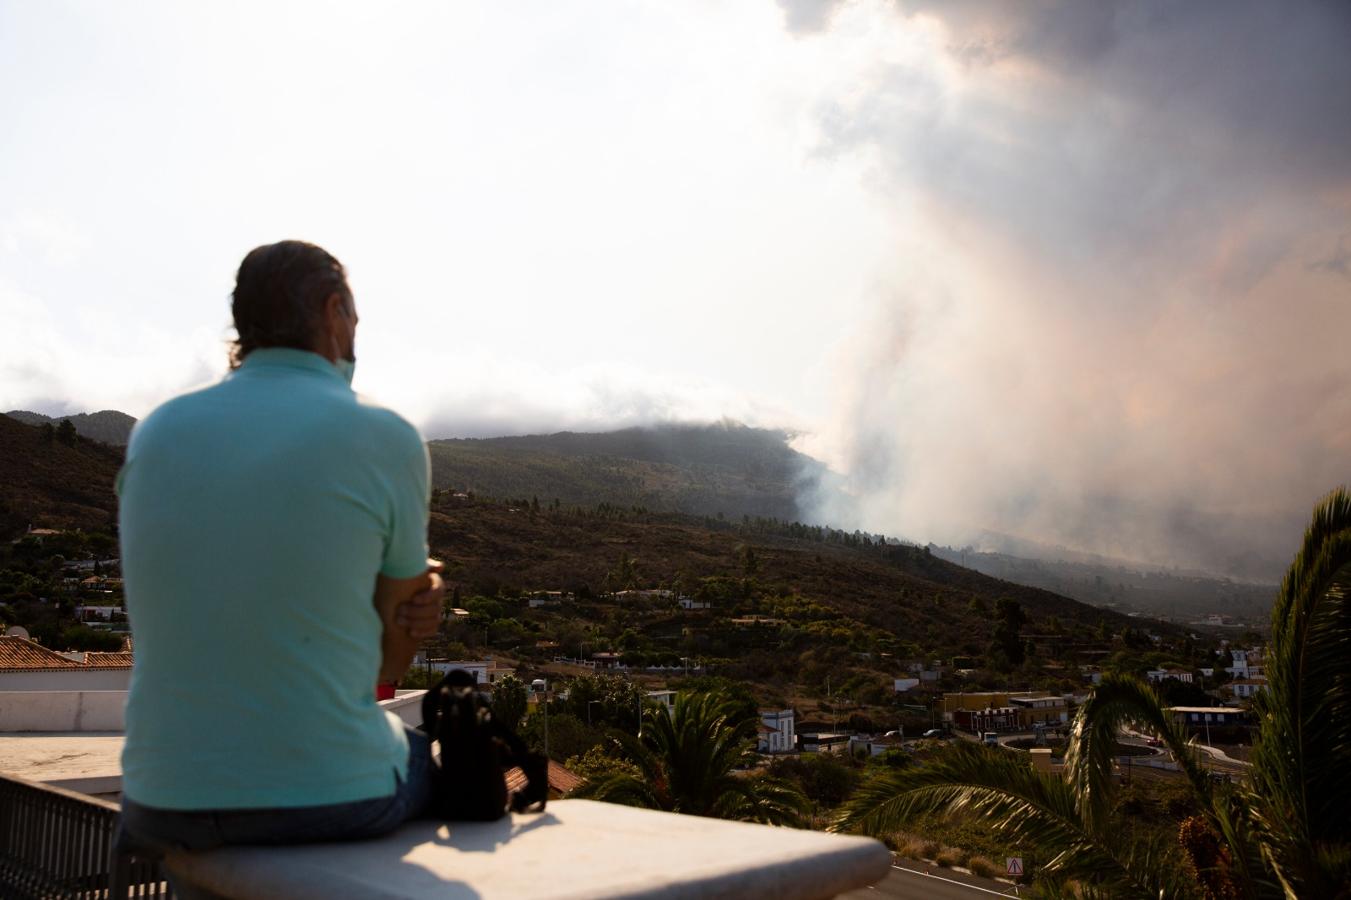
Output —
<point x="991" y="738"/>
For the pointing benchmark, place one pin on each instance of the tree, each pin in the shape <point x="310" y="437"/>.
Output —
<point x="685" y="761"/>
<point x="1283" y="832"/>
<point x="65" y="433"/>
<point x="509" y="701"/>
<point x="48" y="433"/>
<point x="1006" y="646"/>
<point x="604" y="700"/>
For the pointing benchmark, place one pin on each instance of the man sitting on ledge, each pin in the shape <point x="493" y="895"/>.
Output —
<point x="274" y="548"/>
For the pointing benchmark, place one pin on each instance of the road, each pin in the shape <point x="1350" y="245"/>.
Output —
<point x="911" y="881"/>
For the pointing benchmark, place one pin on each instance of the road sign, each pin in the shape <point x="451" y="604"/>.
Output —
<point x="1015" y="865"/>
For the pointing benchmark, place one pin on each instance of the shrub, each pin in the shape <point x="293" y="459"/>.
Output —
<point x="983" y="867"/>
<point x="930" y="849"/>
<point x="949" y="858"/>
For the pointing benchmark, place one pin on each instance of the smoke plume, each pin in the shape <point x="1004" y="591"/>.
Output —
<point x="1123" y="327"/>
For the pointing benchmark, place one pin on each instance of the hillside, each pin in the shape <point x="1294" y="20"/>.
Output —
<point x="108" y="426"/>
<point x="836" y="596"/>
<point x="705" y="470"/>
<point x="845" y="611"/>
<point x="48" y="484"/>
<point x="1130" y="588"/>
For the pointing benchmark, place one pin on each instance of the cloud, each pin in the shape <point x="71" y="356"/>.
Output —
<point x="63" y="367"/>
<point x="1104" y="333"/>
<point x="807" y="16"/>
<point x="1338" y="262"/>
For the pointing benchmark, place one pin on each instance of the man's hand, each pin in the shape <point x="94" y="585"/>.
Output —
<point x="420" y="615"/>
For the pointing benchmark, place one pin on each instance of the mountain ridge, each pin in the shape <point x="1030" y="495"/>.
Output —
<point x="109" y="426"/>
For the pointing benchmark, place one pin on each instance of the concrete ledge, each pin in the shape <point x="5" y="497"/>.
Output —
<point x="407" y="705"/>
<point x="576" y="849"/>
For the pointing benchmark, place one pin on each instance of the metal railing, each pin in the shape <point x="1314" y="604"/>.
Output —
<point x="57" y="844"/>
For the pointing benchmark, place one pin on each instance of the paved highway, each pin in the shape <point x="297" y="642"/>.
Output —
<point x="913" y="881"/>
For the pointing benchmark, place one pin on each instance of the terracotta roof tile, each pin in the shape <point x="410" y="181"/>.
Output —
<point x="561" y="780"/>
<point x="20" y="654"/>
<point x="96" y="660"/>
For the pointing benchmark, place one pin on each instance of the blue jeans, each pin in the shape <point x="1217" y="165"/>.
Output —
<point x="162" y="830"/>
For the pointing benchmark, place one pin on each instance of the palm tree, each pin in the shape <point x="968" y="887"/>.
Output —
<point x="1301" y="762"/>
<point x="1284" y="832"/>
<point x="686" y="759"/>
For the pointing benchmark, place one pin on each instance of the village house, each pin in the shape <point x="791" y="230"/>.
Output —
<point x="89" y="613"/>
<point x="1004" y="710"/>
<point x="777" y="734"/>
<point x="549" y="598"/>
<point x="485" y="671"/>
<point x="645" y="594"/>
<point x="1158" y="676"/>
<point x="901" y="685"/>
<point x="665" y="699"/>
<point x="1244" y="663"/>
<point x="1247" y="688"/>
<point x="1197" y="717"/>
<point x="870" y="745"/>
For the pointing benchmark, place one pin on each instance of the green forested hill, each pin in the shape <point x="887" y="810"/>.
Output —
<point x="48" y="483"/>
<point x="840" y="599"/>
<point x="723" y="469"/>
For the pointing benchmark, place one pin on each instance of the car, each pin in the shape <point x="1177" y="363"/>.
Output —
<point x="990" y="738"/>
<point x="1154" y="742"/>
<point x="933" y="733"/>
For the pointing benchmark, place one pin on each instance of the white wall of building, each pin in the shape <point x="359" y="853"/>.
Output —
<point x="73" y="711"/>
<point x="72" y="679"/>
<point x="784" y="737"/>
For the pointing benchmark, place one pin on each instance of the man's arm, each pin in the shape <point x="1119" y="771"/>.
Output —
<point x="397" y="643"/>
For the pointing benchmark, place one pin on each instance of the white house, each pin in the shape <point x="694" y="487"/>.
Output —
<point x="646" y="594"/>
<point x="874" y="746"/>
<point x="664" y="698"/>
<point x="691" y="603"/>
<point x="904" y="684"/>
<point x="89" y="613"/>
<point x="1158" y="676"/>
<point x="1246" y="688"/>
<point x="777" y="734"/>
<point x="548" y="598"/>
<point x="485" y="671"/>
<point x="1244" y="663"/>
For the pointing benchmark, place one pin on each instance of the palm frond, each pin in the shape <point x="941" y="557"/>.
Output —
<point x="1120" y="701"/>
<point x="1301" y="760"/>
<point x="621" y="788"/>
<point x="769" y="801"/>
<point x="1024" y="806"/>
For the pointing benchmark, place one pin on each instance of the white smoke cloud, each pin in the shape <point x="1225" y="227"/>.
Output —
<point x="1124" y="328"/>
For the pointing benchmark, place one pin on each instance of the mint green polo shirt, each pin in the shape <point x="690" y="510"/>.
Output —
<point x="255" y="515"/>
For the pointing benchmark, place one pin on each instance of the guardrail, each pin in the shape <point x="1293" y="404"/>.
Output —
<point x="57" y="844"/>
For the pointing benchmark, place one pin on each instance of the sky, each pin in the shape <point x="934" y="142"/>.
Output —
<point x="1078" y="273"/>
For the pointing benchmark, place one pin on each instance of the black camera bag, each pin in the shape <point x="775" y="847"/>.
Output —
<point x="476" y="751"/>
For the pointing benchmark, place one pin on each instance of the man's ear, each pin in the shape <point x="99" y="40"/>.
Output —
<point x="335" y="308"/>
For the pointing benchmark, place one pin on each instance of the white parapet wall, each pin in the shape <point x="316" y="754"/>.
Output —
<point x="407" y="705"/>
<point x="63" y="711"/>
<point x="76" y="678"/>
